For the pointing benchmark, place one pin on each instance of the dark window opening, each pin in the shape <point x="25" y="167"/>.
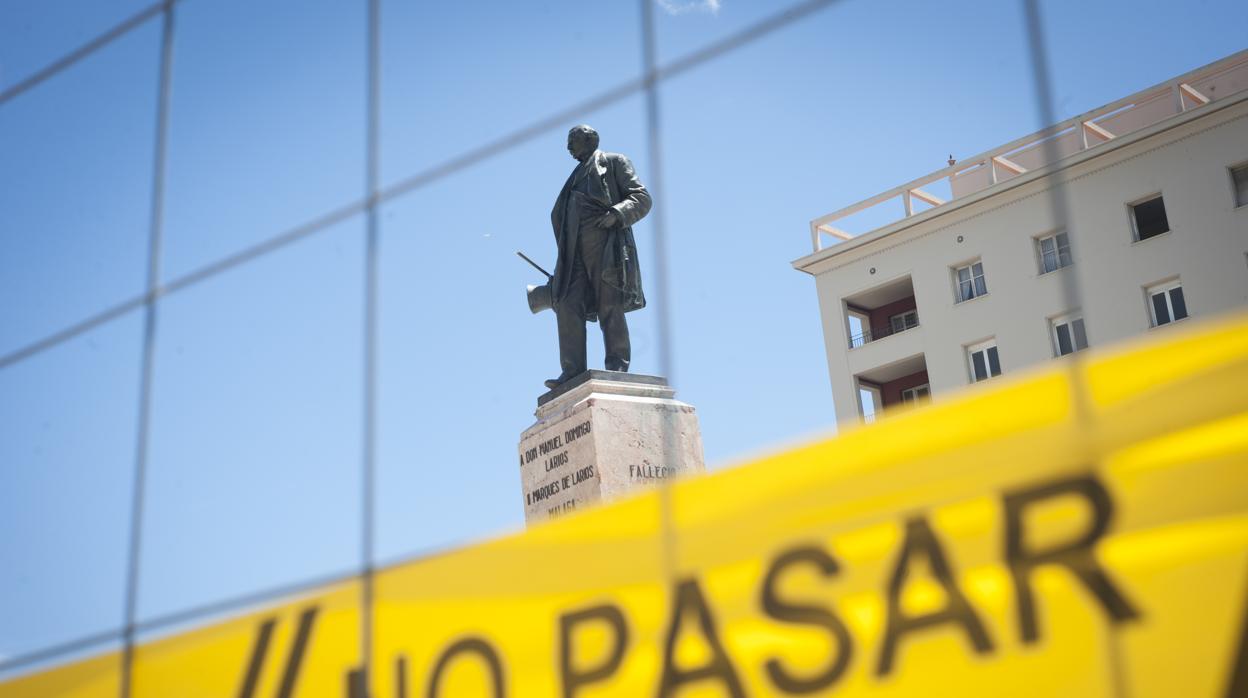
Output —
<point x="1070" y="334"/>
<point x="980" y="371"/>
<point x="1176" y="300"/>
<point x="1239" y="176"/>
<point x="1150" y="218"/>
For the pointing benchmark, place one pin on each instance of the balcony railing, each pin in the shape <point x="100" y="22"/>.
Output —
<point x="1073" y="136"/>
<point x="871" y="334"/>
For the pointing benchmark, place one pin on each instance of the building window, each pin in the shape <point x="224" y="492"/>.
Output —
<point x="916" y="393"/>
<point x="970" y="281"/>
<point x="1165" y="303"/>
<point x="904" y="321"/>
<point x="983" y="360"/>
<point x="1148" y="218"/>
<point x="1239" y="178"/>
<point x="1068" y="334"/>
<point x="1054" y="252"/>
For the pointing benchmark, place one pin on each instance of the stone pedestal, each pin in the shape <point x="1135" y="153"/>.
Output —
<point x="603" y="435"/>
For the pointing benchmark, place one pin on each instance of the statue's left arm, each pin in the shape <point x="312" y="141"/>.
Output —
<point x="634" y="201"/>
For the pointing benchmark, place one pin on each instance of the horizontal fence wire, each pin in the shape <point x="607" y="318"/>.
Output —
<point x="468" y="159"/>
<point x="99" y="42"/>
<point x="176" y="618"/>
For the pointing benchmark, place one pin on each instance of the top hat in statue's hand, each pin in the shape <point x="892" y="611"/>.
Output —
<point x="540" y="297"/>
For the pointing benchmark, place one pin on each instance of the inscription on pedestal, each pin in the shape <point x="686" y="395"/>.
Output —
<point x="603" y="440"/>
<point x="650" y="472"/>
<point x="560" y="460"/>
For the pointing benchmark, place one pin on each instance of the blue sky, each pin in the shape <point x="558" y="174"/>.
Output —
<point x="255" y="433"/>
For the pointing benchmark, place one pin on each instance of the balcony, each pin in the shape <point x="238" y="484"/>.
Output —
<point x="881" y="312"/>
<point x="867" y="335"/>
<point x="884" y="388"/>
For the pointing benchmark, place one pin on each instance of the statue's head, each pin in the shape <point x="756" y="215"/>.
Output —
<point x="582" y="142"/>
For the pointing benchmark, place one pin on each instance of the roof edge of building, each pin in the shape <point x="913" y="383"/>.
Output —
<point x="808" y="262"/>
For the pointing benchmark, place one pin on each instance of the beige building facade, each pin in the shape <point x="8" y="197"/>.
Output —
<point x="976" y="279"/>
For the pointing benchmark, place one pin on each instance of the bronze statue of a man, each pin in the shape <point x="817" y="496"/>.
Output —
<point x="596" y="275"/>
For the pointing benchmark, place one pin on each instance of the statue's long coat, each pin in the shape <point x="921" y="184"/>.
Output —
<point x="612" y="181"/>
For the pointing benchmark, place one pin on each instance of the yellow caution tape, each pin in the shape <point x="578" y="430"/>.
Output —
<point x="1078" y="531"/>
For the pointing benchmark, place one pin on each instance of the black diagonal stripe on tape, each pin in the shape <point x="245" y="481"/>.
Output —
<point x="258" y="651"/>
<point x="356" y="684"/>
<point x="296" y="653"/>
<point x="400" y="677"/>
<point x="1238" y="687"/>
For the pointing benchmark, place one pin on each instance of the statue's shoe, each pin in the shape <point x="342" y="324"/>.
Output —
<point x="563" y="378"/>
<point x="556" y="382"/>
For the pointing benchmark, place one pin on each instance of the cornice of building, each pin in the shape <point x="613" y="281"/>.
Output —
<point x="1116" y="145"/>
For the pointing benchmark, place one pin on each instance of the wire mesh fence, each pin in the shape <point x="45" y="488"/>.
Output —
<point x="374" y="195"/>
<point x="156" y="291"/>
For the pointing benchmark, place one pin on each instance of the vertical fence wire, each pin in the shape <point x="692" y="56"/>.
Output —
<point x="138" y="492"/>
<point x="1059" y="203"/>
<point x="1059" y="209"/>
<point x="654" y="137"/>
<point x="369" y="435"/>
